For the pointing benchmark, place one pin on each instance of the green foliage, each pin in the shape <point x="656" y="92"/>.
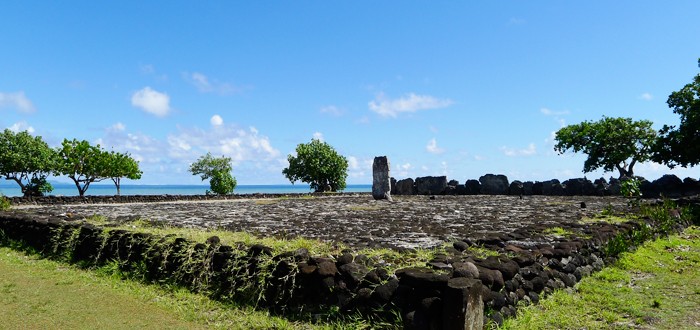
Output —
<point x="610" y="143"/>
<point x="218" y="171"/>
<point x="319" y="165"/>
<point x="222" y="183"/>
<point x="82" y="162"/>
<point x="681" y="145"/>
<point x="120" y="165"/>
<point x="631" y="187"/>
<point x="26" y="160"/>
<point x="4" y="203"/>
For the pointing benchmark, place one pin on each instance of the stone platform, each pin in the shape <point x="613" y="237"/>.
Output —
<point x="359" y="221"/>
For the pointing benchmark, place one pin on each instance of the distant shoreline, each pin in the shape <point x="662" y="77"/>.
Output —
<point x="66" y="189"/>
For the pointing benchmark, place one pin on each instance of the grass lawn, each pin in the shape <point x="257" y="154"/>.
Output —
<point x="43" y="294"/>
<point x="655" y="287"/>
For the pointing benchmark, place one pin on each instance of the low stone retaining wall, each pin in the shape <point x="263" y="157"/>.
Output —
<point x="667" y="186"/>
<point x="458" y="289"/>
<point x="63" y="200"/>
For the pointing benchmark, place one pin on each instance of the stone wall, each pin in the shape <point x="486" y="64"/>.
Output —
<point x="667" y="186"/>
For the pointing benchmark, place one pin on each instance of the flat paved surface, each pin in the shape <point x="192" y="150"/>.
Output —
<point x="358" y="220"/>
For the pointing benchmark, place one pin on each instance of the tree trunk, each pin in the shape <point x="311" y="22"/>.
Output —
<point x="118" y="184"/>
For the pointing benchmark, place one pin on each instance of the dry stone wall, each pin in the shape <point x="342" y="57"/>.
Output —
<point x="667" y="186"/>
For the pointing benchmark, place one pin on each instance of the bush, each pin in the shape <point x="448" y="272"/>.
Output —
<point x="4" y="203"/>
<point x="221" y="183"/>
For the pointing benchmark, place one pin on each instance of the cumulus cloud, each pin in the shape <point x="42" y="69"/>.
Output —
<point x="318" y="136"/>
<point x="216" y="120"/>
<point x="238" y="143"/>
<point x="433" y="148"/>
<point x="204" y="85"/>
<point x="512" y="152"/>
<point x="331" y="110"/>
<point x="549" y="112"/>
<point x="410" y="103"/>
<point x="16" y="100"/>
<point x="151" y="101"/>
<point x="646" y="97"/>
<point x="21" y="127"/>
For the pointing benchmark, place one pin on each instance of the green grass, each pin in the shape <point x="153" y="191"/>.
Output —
<point x="43" y="294"/>
<point x="656" y="287"/>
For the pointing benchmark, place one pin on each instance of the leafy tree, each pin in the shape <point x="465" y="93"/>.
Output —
<point x="610" y="143"/>
<point x="26" y="160"/>
<point x="681" y="146"/>
<point x="218" y="171"/>
<point x="120" y="165"/>
<point x="82" y="162"/>
<point x="319" y="165"/>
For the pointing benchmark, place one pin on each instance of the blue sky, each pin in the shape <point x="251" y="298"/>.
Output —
<point x="442" y="88"/>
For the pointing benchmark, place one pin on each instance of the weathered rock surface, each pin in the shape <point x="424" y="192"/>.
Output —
<point x="358" y="220"/>
<point x="381" y="180"/>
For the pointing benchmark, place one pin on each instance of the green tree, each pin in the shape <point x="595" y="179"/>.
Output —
<point x="120" y="165"/>
<point x="319" y="165"/>
<point x="27" y="160"/>
<point x="82" y="162"/>
<point x="218" y="171"/>
<point x="610" y="143"/>
<point x="681" y="145"/>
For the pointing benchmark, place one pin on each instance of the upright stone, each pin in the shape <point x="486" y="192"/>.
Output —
<point x="381" y="183"/>
<point x="463" y="306"/>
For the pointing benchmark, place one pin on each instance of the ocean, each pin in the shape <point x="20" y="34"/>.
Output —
<point x="63" y="189"/>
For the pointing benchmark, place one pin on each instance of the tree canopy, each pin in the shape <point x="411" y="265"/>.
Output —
<point x="27" y="160"/>
<point x="82" y="162"/>
<point x="218" y="171"/>
<point x="319" y="165"/>
<point x="120" y="165"/>
<point x="681" y="145"/>
<point x="610" y="143"/>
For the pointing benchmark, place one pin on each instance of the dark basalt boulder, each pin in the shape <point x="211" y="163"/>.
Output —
<point x="580" y="187"/>
<point x="668" y="185"/>
<point x="431" y="185"/>
<point x="516" y="188"/>
<point x="473" y="187"/>
<point x="691" y="187"/>
<point x="404" y="187"/>
<point x="494" y="184"/>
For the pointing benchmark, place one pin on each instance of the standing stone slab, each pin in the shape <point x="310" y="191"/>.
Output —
<point x="463" y="306"/>
<point x="381" y="183"/>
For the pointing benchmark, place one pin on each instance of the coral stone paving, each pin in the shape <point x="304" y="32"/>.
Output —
<point x="359" y="221"/>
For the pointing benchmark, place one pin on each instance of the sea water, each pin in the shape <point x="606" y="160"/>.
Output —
<point x="130" y="190"/>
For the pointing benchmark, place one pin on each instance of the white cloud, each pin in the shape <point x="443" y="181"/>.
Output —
<point x="20" y="127"/>
<point x="512" y="152"/>
<point x="410" y="103"/>
<point x="549" y="112"/>
<point x="433" y="148"/>
<point x="151" y="101"/>
<point x="16" y="100"/>
<point x="646" y="97"/>
<point x="230" y="141"/>
<point x="118" y="127"/>
<point x="216" y="120"/>
<point x="353" y="163"/>
<point x="204" y="85"/>
<point x="331" y="110"/>
<point x="479" y="158"/>
<point x="318" y="136"/>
